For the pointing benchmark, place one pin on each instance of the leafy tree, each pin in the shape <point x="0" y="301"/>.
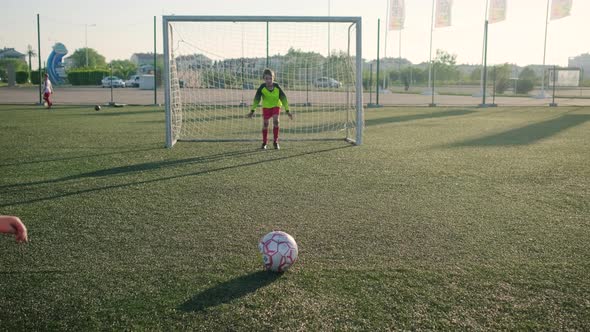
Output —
<point x="31" y="53"/>
<point x="445" y="65"/>
<point x="339" y="66"/>
<point x="524" y="86"/>
<point x="475" y="74"/>
<point x="123" y="68"/>
<point x="95" y="60"/>
<point x="502" y="77"/>
<point x="19" y="65"/>
<point x="526" y="80"/>
<point x="528" y="74"/>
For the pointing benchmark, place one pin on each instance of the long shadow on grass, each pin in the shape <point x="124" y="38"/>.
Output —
<point x="119" y="113"/>
<point x="421" y="116"/>
<point x="220" y="169"/>
<point x="339" y="126"/>
<point x="133" y="168"/>
<point x="528" y="134"/>
<point x="228" y="291"/>
<point x="20" y="163"/>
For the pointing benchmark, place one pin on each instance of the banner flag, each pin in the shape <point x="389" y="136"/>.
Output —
<point x="397" y="15"/>
<point x="497" y="11"/>
<point x="443" y="13"/>
<point x="560" y="8"/>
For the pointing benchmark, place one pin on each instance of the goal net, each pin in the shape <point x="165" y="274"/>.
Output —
<point x="214" y="65"/>
<point x="564" y="77"/>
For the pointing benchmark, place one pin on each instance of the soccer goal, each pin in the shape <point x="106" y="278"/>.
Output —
<point x="214" y="65"/>
<point x="564" y="77"/>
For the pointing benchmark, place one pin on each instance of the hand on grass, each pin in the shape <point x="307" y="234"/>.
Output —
<point x="13" y="225"/>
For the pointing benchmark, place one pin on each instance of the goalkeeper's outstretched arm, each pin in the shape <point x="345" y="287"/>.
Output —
<point x="285" y="102"/>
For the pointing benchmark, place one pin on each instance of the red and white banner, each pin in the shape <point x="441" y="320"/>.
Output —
<point x="397" y="15"/>
<point x="497" y="11"/>
<point x="443" y="13"/>
<point x="560" y="8"/>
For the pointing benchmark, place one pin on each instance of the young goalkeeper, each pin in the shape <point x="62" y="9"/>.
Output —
<point x="273" y="97"/>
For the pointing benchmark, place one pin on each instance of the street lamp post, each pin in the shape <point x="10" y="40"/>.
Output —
<point x="86" y="39"/>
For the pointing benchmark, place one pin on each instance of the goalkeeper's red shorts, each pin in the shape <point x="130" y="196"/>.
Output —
<point x="268" y="113"/>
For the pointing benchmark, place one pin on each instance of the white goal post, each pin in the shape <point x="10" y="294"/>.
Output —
<point x="213" y="67"/>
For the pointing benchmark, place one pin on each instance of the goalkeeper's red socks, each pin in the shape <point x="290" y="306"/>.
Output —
<point x="275" y="132"/>
<point x="264" y="136"/>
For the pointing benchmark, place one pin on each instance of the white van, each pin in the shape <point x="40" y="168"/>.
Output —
<point x="132" y="82"/>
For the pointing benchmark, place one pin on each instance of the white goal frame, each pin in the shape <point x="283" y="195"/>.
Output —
<point x="354" y="21"/>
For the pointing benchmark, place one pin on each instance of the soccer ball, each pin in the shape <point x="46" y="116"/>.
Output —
<point x="279" y="251"/>
<point x="97" y="108"/>
<point x="46" y="105"/>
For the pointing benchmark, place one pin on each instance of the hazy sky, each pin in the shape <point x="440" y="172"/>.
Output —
<point x="118" y="29"/>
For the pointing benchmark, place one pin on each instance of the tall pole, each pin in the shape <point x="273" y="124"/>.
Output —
<point x="242" y="102"/>
<point x="266" y="44"/>
<point x="399" y="58"/>
<point x="483" y="48"/>
<point x="360" y="120"/>
<point x="166" y="38"/>
<point x="112" y="103"/>
<point x="485" y="63"/>
<point x="494" y="89"/>
<point x="329" y="30"/>
<point x="371" y="84"/>
<point x="377" y="80"/>
<point x="155" y="66"/>
<point x="430" y="56"/>
<point x="86" y="42"/>
<point x="542" y="94"/>
<point x="39" y="54"/>
<point x="30" y="52"/>
<point x="385" y="43"/>
<point x="553" y="104"/>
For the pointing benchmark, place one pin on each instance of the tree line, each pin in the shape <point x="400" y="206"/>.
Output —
<point x="88" y="67"/>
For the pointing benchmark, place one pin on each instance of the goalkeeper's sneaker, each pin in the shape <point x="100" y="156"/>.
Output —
<point x="276" y="145"/>
<point x="263" y="147"/>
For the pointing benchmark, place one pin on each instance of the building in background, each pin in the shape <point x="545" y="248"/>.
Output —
<point x="581" y="61"/>
<point x="145" y="62"/>
<point x="11" y="53"/>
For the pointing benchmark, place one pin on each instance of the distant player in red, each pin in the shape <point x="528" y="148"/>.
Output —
<point x="13" y="225"/>
<point x="273" y="97"/>
<point x="47" y="91"/>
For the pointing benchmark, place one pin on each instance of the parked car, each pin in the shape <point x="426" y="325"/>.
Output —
<point x="326" y="82"/>
<point x="114" y="81"/>
<point x="132" y="82"/>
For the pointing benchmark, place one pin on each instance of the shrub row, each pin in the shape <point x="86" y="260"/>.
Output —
<point x="87" y="77"/>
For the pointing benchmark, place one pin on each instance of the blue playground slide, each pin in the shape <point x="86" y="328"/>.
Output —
<point x="55" y="67"/>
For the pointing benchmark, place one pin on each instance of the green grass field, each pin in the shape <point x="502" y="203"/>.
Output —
<point x="446" y="218"/>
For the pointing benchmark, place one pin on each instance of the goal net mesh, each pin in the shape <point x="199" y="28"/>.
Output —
<point x="215" y="68"/>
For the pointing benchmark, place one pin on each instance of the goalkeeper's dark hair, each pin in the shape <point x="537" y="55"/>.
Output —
<point x="268" y="71"/>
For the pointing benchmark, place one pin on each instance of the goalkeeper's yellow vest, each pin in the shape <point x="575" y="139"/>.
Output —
<point x="270" y="99"/>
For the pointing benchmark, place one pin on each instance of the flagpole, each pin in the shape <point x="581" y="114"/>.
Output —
<point x="399" y="60"/>
<point x="542" y="93"/>
<point x="428" y="91"/>
<point x="329" y="51"/>
<point x="385" y="45"/>
<point x="485" y="18"/>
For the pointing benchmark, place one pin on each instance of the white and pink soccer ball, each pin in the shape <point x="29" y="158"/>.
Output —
<point x="279" y="251"/>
